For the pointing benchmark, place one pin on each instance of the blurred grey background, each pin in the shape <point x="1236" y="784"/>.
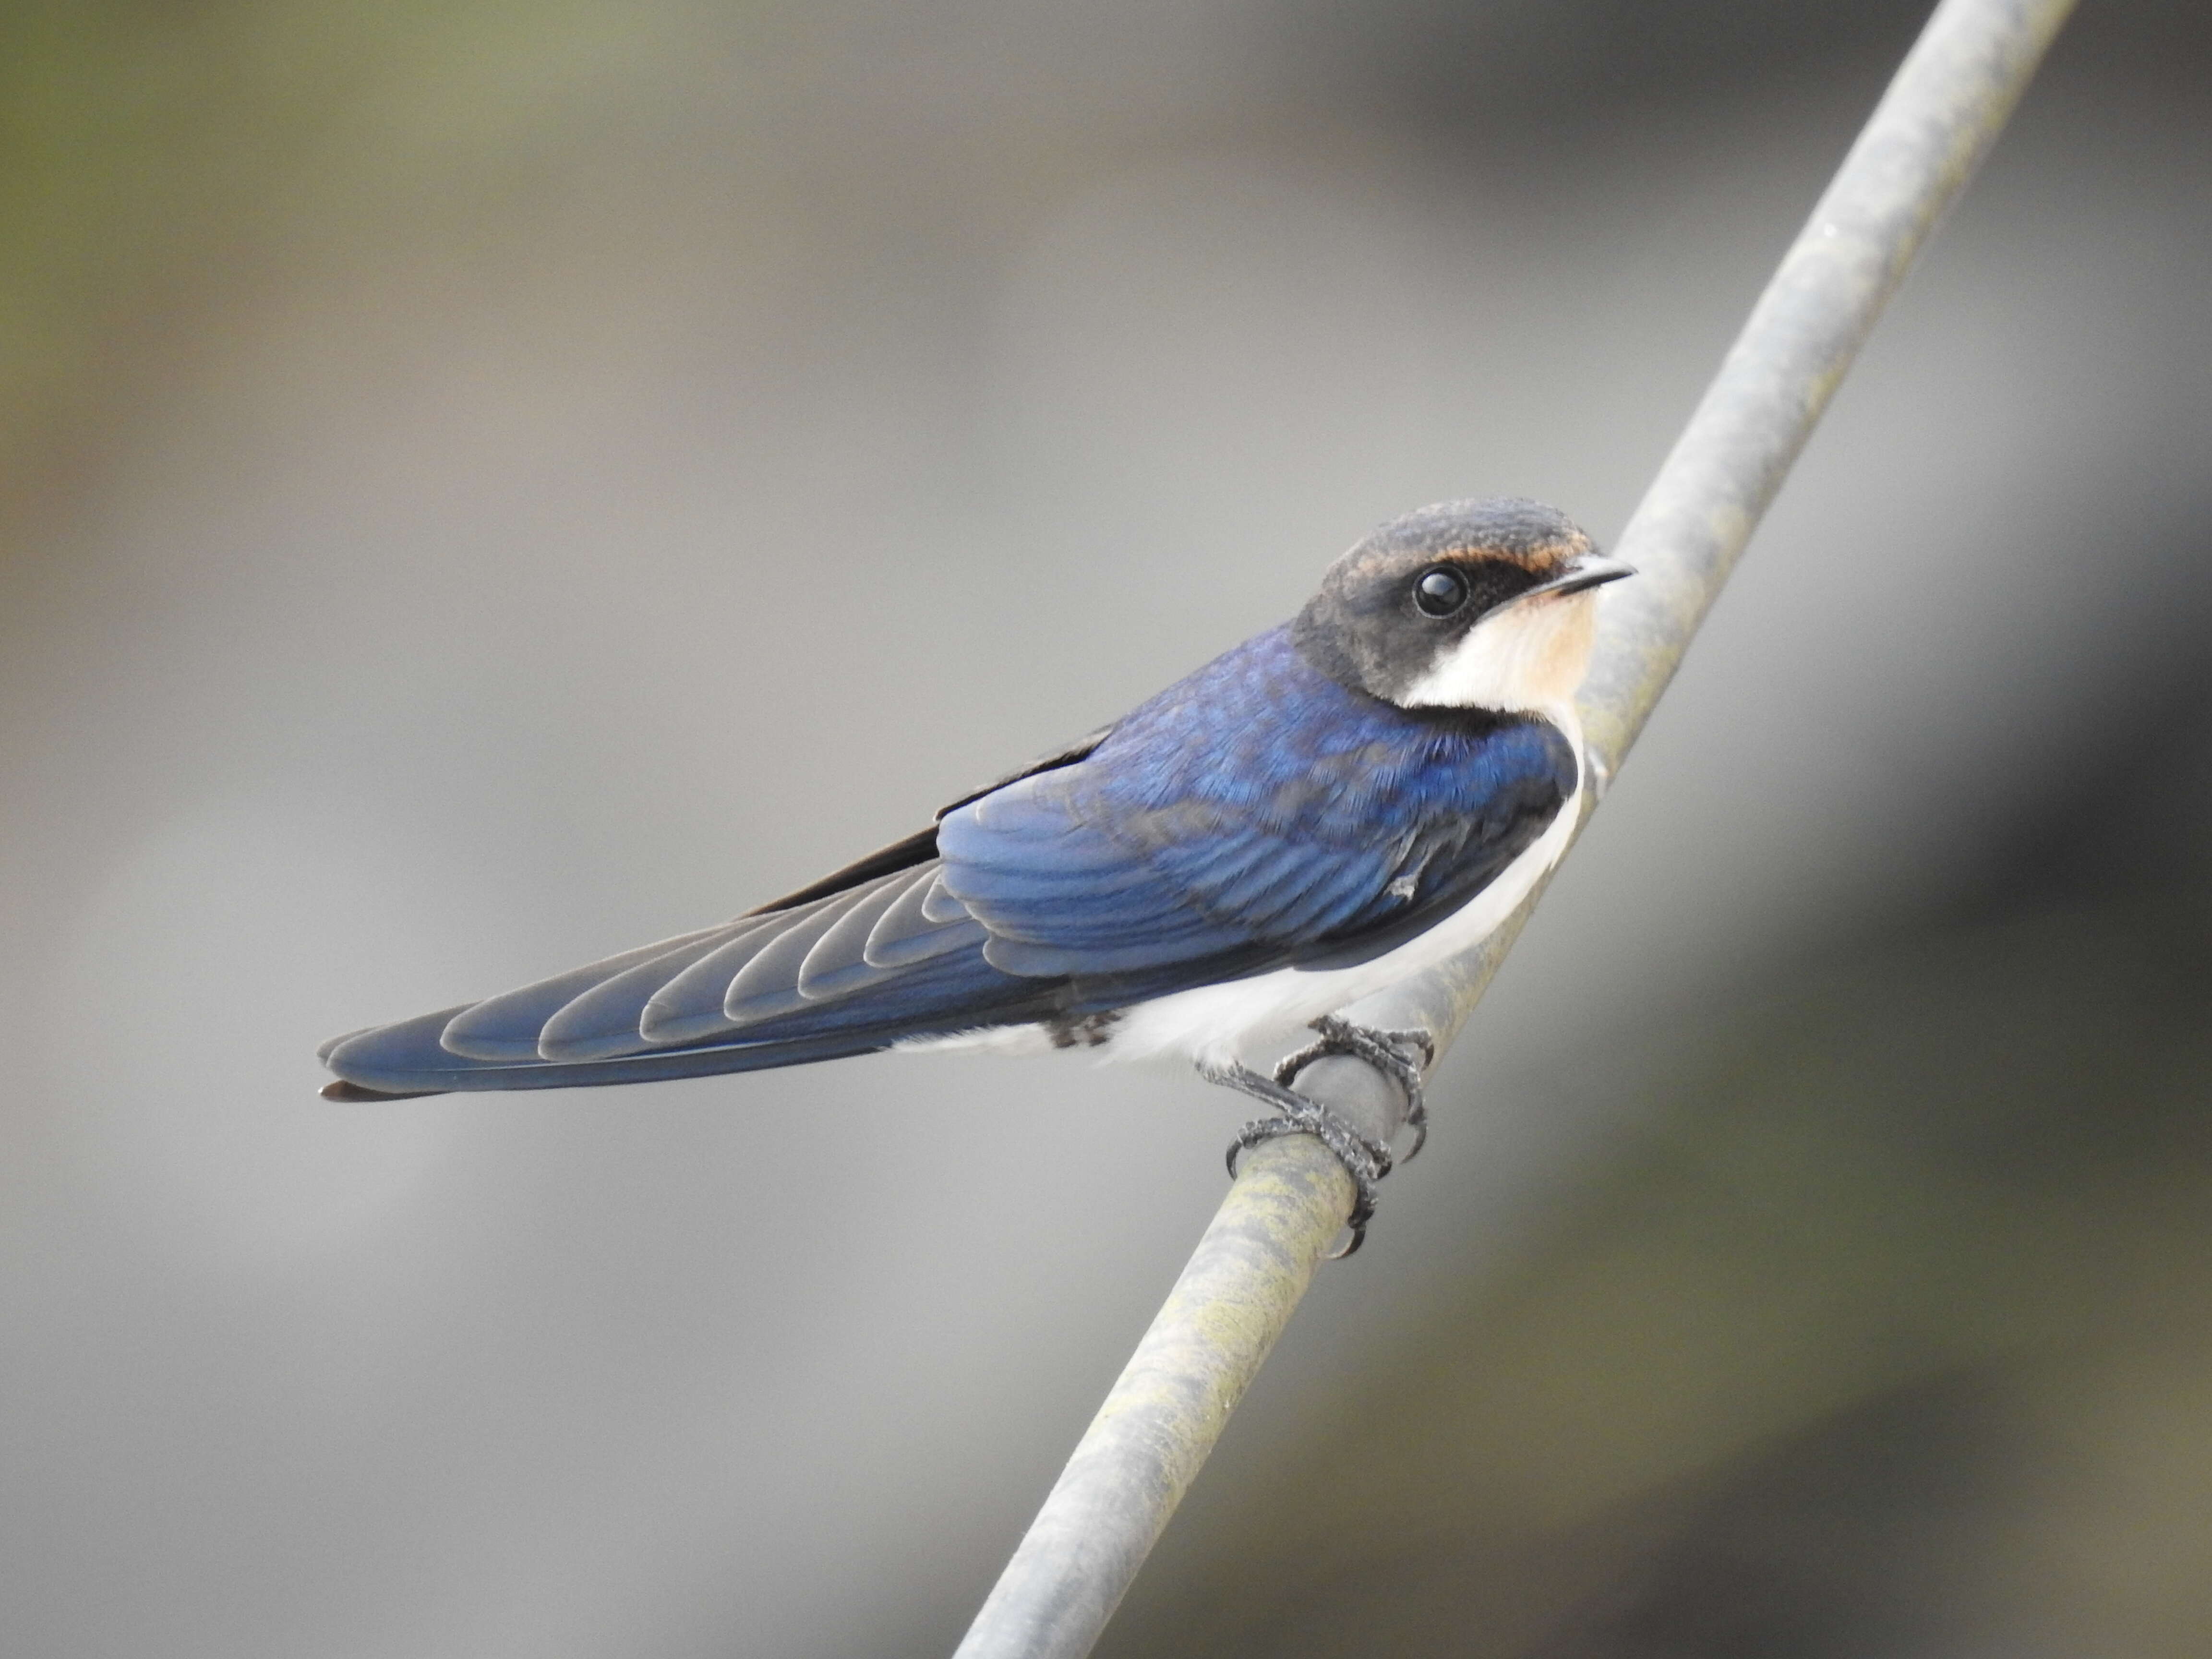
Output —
<point x="482" y="485"/>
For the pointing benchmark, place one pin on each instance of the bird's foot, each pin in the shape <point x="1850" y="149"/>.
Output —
<point x="1404" y="1057"/>
<point x="1367" y="1161"/>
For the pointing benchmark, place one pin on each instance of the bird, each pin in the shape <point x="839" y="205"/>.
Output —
<point x="1334" y="805"/>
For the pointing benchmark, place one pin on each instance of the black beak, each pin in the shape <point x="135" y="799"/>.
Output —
<point x="1591" y="570"/>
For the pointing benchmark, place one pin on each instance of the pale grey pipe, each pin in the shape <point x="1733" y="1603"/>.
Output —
<point x="1949" y="100"/>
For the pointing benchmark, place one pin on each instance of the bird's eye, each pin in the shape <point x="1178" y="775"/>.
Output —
<point x="1440" y="592"/>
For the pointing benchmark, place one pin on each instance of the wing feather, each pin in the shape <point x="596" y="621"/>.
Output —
<point x="905" y="935"/>
<point x="605" y="1020"/>
<point x="939" y="904"/>
<point x="838" y="962"/>
<point x="505" y="1027"/>
<point x="689" y="1007"/>
<point x="769" y="983"/>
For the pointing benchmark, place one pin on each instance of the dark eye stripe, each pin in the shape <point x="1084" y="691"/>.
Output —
<point x="1483" y="585"/>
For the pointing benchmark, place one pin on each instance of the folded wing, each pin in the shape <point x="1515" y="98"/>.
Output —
<point x="1200" y="840"/>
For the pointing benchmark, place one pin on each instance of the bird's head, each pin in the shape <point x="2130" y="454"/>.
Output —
<point x="1466" y="605"/>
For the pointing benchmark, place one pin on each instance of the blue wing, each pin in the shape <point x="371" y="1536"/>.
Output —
<point x="1260" y="811"/>
<point x="1257" y="815"/>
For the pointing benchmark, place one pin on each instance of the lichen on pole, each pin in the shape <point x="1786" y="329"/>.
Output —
<point x="1943" y="110"/>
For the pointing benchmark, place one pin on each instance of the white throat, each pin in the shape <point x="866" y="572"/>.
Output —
<point x="1528" y="658"/>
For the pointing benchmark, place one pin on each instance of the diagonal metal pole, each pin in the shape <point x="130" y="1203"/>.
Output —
<point x="1950" y="99"/>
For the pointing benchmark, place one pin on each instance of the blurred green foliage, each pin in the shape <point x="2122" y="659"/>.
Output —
<point x="154" y="156"/>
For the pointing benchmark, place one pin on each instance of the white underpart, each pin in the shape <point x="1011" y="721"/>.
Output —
<point x="1528" y="659"/>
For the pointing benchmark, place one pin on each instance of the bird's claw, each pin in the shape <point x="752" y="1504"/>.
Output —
<point x="1404" y="1057"/>
<point x="1367" y="1161"/>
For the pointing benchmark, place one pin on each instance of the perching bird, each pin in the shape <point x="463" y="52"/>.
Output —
<point x="1331" y="807"/>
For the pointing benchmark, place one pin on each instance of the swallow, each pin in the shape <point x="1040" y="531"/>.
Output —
<point x="1332" y="806"/>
